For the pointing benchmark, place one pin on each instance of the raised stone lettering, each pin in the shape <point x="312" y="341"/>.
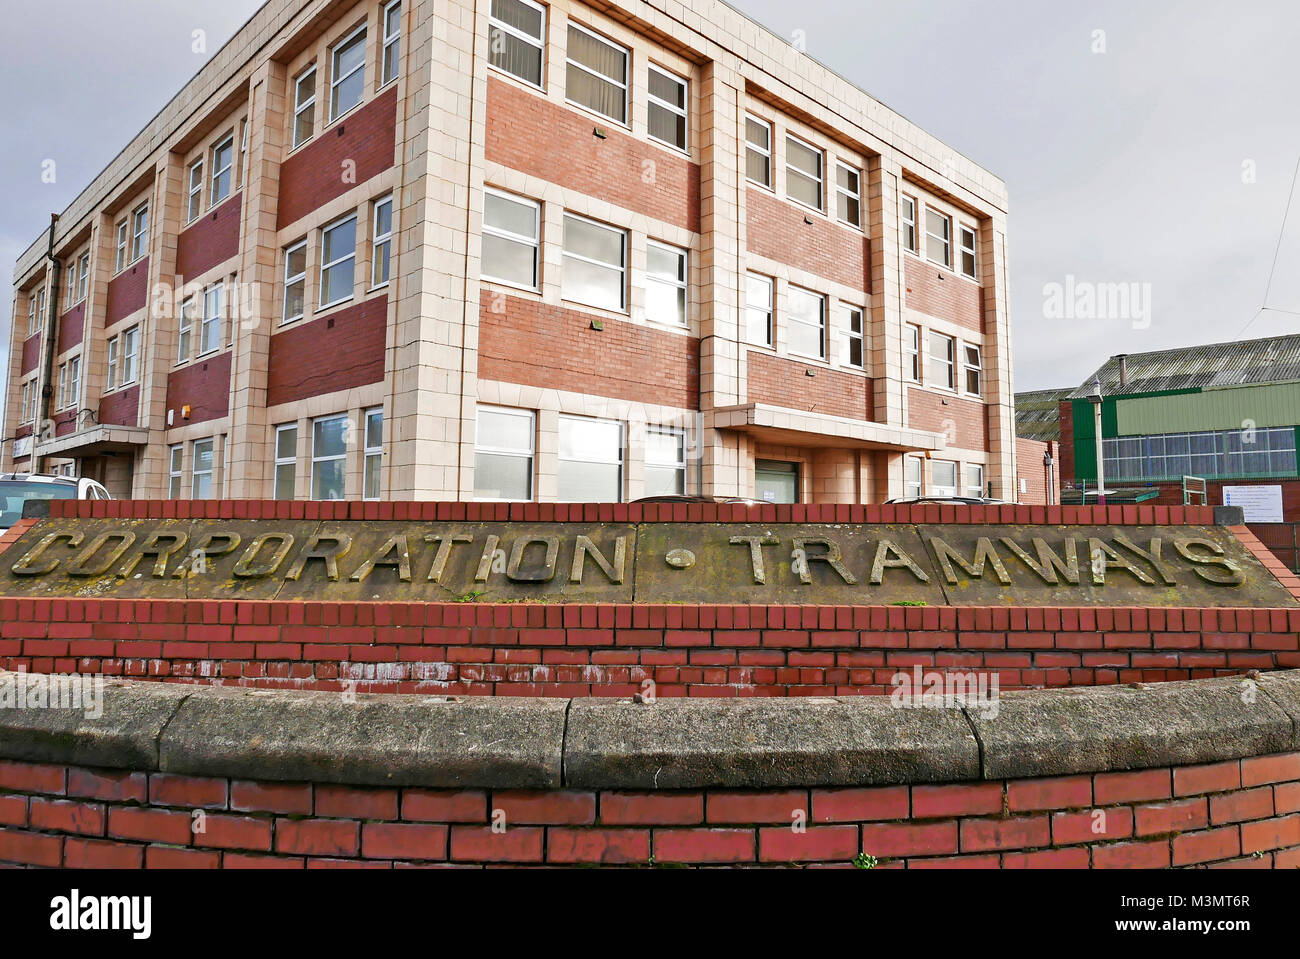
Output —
<point x="543" y="575"/>
<point x="1232" y="575"/>
<point x="1049" y="563"/>
<point x="832" y="558"/>
<point x="756" y="544"/>
<point x="81" y="565"/>
<point x="245" y="568"/>
<point x="395" y="553"/>
<point x="984" y="553"/>
<point x="341" y="543"/>
<point x="886" y="549"/>
<point x="26" y="566"/>
<point x="153" y="547"/>
<point x="613" y="572"/>
<point x="443" y="553"/>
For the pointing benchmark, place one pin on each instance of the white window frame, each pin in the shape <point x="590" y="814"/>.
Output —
<point x="378" y="240"/>
<point x="626" y="121"/>
<point x="946" y="240"/>
<point x="243" y="155"/>
<point x="311" y="492"/>
<point x="388" y="42"/>
<point x="682" y="284"/>
<point x="851" y="336"/>
<point x="678" y="466"/>
<point x="194" y="191"/>
<point x="195" y="472"/>
<point x="768" y="308"/>
<point x="139" y="232"/>
<point x="72" y="286"/>
<point x="530" y="454"/>
<point x="63" y="386"/>
<point x="791" y="320"/>
<point x="820" y="179"/>
<point x="336" y="80"/>
<point x="83" y="276"/>
<point x="566" y="255"/>
<point x="74" y="382"/>
<point x="912" y="489"/>
<point x="951" y="363"/>
<point x="963" y="231"/>
<point x="130" y="366"/>
<point x="969" y="367"/>
<point x="291" y="279"/>
<point x="539" y="43"/>
<point x="372" y="456"/>
<point x="123" y="244"/>
<point x="111" y="350"/>
<point x="974" y="490"/>
<point x="535" y="241"/>
<point x="175" y="470"/>
<point x="761" y="151"/>
<point x="908" y="224"/>
<point x="683" y="111"/>
<point x="621" y="461"/>
<point x="211" y="318"/>
<point x="325" y="268"/>
<point x="301" y="106"/>
<point x="937" y="489"/>
<point x="855" y="195"/>
<point x="214" y="194"/>
<point x="912" y="351"/>
<point x="284" y="461"/>
<point x="185" y="329"/>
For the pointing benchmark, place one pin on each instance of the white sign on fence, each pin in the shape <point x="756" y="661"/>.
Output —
<point x="1261" y="504"/>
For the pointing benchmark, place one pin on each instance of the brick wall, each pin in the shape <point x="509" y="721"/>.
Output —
<point x="1243" y="812"/>
<point x="65" y="422"/>
<point x="532" y="135"/>
<point x="212" y="239"/>
<point x="1067" y="441"/>
<point x="1030" y="469"/>
<point x="203" y="386"/>
<point x="127" y="292"/>
<point x="72" y="327"/>
<point x="785" y="383"/>
<point x="314" y="175"/>
<point x="776" y="229"/>
<point x="337" y="352"/>
<point x="31" y="354"/>
<point x="537" y="344"/>
<point x="951" y="298"/>
<point x="964" y="421"/>
<point x="121" y="408"/>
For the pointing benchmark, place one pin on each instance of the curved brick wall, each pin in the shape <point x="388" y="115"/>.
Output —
<point x="1218" y="785"/>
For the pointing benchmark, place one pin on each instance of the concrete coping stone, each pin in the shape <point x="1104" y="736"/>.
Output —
<point x="526" y="743"/>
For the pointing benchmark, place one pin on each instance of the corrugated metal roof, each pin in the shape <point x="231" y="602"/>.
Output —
<point x="1273" y="359"/>
<point x="1038" y="414"/>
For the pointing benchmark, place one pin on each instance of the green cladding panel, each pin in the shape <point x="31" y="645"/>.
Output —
<point x="1220" y="409"/>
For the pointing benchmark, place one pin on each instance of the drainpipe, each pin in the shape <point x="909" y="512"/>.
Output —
<point x="51" y="344"/>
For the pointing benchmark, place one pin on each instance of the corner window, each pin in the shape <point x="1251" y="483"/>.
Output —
<point x="758" y="151"/>
<point x="943" y="361"/>
<point x="974" y="370"/>
<point x="511" y="239"/>
<point x="201" y="475"/>
<point x="185" y="329"/>
<point x="329" y="451"/>
<point x="666" y="108"/>
<point x="854" y="345"/>
<point x="304" y="107"/>
<point x="373" y="455"/>
<point x="597" y="74"/>
<point x="590" y="460"/>
<point x="938" y="237"/>
<point x="503" y="454"/>
<point x="175" y="463"/>
<point x="517" y="39"/>
<point x="803" y="173"/>
<point x="595" y="264"/>
<point x="848" y="195"/>
<point x="909" y="223"/>
<point x="210" y="334"/>
<point x="391" y="58"/>
<point x="223" y="160"/>
<point x="975" y="480"/>
<point x="758" y="309"/>
<point x="295" y="282"/>
<point x="338" y="261"/>
<point x="943" y="478"/>
<point x="967" y="237"/>
<point x="347" y="73"/>
<point x="665" y="284"/>
<point x="381" y="241"/>
<point x="912" y="352"/>
<point x="286" y="461"/>
<point x="665" y="461"/>
<point x="806" y="323"/>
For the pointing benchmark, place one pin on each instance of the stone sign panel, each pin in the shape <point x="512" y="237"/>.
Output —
<point x="824" y="564"/>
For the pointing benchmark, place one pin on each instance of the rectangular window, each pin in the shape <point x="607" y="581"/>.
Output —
<point x="130" y="346"/>
<point x="373" y="455"/>
<point x="503" y="454"/>
<point x="72" y="286"/>
<point x="511" y="239"/>
<point x="210" y="334"/>
<point x="204" y="464"/>
<point x="243" y="150"/>
<point x="803" y="173"/>
<point x="347" y="74"/>
<point x="223" y="160"/>
<point x="665" y="461"/>
<point x="943" y="478"/>
<point x="194" y="205"/>
<point x="595" y="264"/>
<point x="758" y="309"/>
<point x="139" y="233"/>
<point x="392" y="55"/>
<point x="590" y="460"/>
<point x="974" y="480"/>
<point x="909" y="224"/>
<point x="63" y="386"/>
<point x="943" y="361"/>
<point x="912" y="477"/>
<point x="35" y="315"/>
<point x="338" y="261"/>
<point x="110" y="379"/>
<point x="295" y="282"/>
<point x="758" y="151"/>
<point x="974" y="370"/>
<point x="666" y="108"/>
<point x="912" y="352"/>
<point x="175" y="463"/>
<point x="329" y="452"/>
<point x="938" y="237"/>
<point x="854" y="344"/>
<point x="665" y="284"/>
<point x="848" y="195"/>
<point x="185" y="329"/>
<point x="304" y="106"/>
<point x="381" y="242"/>
<point x="123" y="234"/>
<point x="597" y="74"/>
<point x="806" y="326"/>
<point x="967" y="237"/>
<point x="83" y="276"/>
<point x="517" y="39"/>
<point x="286" y="461"/>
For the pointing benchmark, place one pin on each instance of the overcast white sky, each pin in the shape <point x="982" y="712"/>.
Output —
<point x="1123" y="167"/>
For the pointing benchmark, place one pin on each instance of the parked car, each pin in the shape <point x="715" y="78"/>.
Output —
<point x="945" y="501"/>
<point x="19" y="488"/>
<point x="676" y="498"/>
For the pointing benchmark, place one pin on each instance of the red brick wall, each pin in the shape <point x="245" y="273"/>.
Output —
<point x="537" y="344"/>
<point x="314" y="175"/>
<point x="1243" y="812"/>
<point x="121" y="408"/>
<point x="212" y="239"/>
<point x="204" y="386"/>
<point x="31" y="353"/>
<point x="964" y="421"/>
<point x="783" y="382"/>
<point x="776" y="229"/>
<point x="1067" y="441"/>
<point x="337" y="352"/>
<point x="1030" y="468"/>
<point x="532" y="135"/>
<point x="72" y="327"/>
<point x="127" y="292"/>
<point x="952" y="298"/>
<point x="66" y="422"/>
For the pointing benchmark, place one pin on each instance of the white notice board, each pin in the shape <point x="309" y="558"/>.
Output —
<point x="1261" y="504"/>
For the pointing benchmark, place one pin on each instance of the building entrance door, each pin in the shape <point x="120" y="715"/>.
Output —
<point x="776" y="481"/>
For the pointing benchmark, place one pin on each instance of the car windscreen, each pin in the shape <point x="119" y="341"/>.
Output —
<point x="13" y="493"/>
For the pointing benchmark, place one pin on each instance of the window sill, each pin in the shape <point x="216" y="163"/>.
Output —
<point x="622" y="125"/>
<point x="762" y="186"/>
<point x="329" y="306"/>
<point x="344" y="115"/>
<point x="617" y="314"/>
<point x="526" y="85"/>
<point x="493" y="281"/>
